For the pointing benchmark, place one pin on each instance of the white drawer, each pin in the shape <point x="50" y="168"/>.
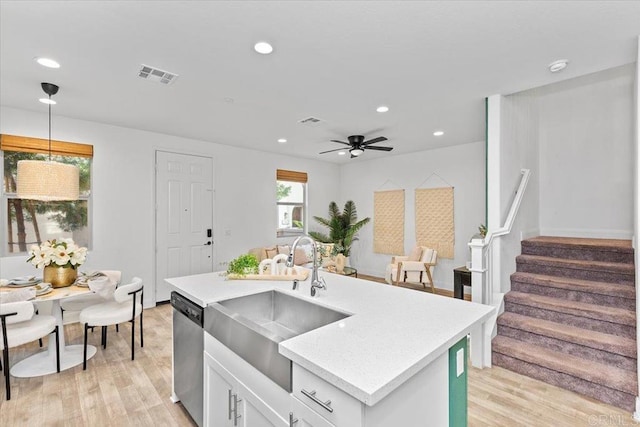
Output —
<point x="327" y="400"/>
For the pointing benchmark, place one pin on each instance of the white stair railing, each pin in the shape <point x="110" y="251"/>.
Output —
<point x="486" y="282"/>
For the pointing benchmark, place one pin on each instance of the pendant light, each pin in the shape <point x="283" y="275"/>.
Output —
<point x="47" y="180"/>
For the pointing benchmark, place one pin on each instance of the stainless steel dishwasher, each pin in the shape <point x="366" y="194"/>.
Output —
<point x="188" y="354"/>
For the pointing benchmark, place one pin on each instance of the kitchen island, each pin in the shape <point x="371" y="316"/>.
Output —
<point x="398" y="358"/>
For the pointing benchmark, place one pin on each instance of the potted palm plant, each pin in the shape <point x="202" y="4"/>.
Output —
<point x="343" y="227"/>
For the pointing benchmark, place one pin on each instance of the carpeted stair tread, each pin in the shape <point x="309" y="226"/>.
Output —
<point x="615" y="245"/>
<point x="591" y="311"/>
<point x="614" y="267"/>
<point x="591" y="371"/>
<point x="597" y="340"/>
<point x="601" y="288"/>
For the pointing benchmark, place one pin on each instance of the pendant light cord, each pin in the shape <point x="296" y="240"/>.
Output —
<point x="49" y="128"/>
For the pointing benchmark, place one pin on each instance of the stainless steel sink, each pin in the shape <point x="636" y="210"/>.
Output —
<point x="253" y="325"/>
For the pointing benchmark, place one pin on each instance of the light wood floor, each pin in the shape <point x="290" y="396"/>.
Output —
<point x="115" y="391"/>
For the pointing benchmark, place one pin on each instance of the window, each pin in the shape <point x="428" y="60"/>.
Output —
<point x="32" y="221"/>
<point x="291" y="187"/>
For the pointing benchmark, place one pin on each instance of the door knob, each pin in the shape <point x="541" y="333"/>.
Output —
<point x="208" y="243"/>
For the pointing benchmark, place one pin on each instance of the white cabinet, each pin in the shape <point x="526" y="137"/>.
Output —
<point x="421" y="400"/>
<point x="238" y="395"/>
<point x="331" y="403"/>
<point x="218" y="394"/>
<point x="303" y="416"/>
<point x="230" y="403"/>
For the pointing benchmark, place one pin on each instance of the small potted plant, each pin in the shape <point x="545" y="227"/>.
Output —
<point x="243" y="265"/>
<point x="60" y="260"/>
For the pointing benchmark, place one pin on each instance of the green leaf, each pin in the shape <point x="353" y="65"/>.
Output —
<point x="243" y="265"/>
<point x="343" y="227"/>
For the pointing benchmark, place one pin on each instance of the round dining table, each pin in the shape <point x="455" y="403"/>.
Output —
<point x="44" y="362"/>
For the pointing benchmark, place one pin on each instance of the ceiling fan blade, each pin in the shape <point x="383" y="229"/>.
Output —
<point x="374" y="140"/>
<point x="378" y="148"/>
<point x="340" y="142"/>
<point x="330" y="151"/>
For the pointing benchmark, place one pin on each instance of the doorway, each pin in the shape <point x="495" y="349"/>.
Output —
<point x="184" y="218"/>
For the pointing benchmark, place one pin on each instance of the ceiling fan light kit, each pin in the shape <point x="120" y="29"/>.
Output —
<point x="358" y="145"/>
<point x="47" y="180"/>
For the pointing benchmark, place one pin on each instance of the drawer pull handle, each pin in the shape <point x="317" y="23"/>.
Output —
<point x="230" y="410"/>
<point x="235" y="409"/>
<point x="312" y="395"/>
<point x="292" y="420"/>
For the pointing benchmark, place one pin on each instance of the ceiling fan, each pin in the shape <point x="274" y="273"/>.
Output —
<point x="359" y="145"/>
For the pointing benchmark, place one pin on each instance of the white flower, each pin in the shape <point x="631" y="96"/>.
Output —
<point x="60" y="256"/>
<point x="40" y="258"/>
<point x="78" y="256"/>
<point x="57" y="252"/>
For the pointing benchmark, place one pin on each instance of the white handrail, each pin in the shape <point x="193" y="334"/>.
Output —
<point x="484" y="279"/>
<point x="515" y="206"/>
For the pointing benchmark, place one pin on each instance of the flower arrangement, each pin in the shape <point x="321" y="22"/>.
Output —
<point x="57" y="253"/>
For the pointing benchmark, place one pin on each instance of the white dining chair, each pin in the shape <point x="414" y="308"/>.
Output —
<point x="20" y="326"/>
<point x="124" y="307"/>
<point x="71" y="307"/>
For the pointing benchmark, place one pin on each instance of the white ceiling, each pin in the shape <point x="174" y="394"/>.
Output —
<point x="431" y="62"/>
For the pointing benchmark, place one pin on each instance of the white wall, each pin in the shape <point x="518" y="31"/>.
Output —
<point x="461" y="166"/>
<point x="586" y="155"/>
<point x="576" y="136"/>
<point x="123" y="192"/>
<point x="518" y="150"/>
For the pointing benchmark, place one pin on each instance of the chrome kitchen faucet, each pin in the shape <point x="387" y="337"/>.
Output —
<point x="316" y="282"/>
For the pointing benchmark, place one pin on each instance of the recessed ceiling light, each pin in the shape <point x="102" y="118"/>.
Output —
<point x="382" y="109"/>
<point x="282" y="140"/>
<point x="47" y="62"/>
<point x="47" y="101"/>
<point x="438" y="133"/>
<point x="263" y="48"/>
<point x="229" y="100"/>
<point x="558" y="65"/>
<point x="341" y="153"/>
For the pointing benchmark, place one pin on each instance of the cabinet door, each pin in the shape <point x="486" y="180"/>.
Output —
<point x="255" y="412"/>
<point x="218" y="390"/>
<point x="305" y="416"/>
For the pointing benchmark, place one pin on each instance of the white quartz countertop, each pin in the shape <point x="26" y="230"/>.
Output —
<point x="391" y="335"/>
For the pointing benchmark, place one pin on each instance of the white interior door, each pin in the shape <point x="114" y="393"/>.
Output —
<point x="184" y="217"/>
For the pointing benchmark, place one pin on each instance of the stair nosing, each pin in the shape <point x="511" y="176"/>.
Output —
<point x="577" y="264"/>
<point x="600" y="246"/>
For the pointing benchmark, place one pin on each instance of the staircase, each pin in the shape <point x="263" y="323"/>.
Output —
<point x="570" y="318"/>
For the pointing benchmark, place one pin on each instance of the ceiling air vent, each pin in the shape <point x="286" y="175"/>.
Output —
<point x="311" y="121"/>
<point x="157" y="75"/>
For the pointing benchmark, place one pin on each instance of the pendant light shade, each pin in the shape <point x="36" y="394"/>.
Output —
<point x="45" y="179"/>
